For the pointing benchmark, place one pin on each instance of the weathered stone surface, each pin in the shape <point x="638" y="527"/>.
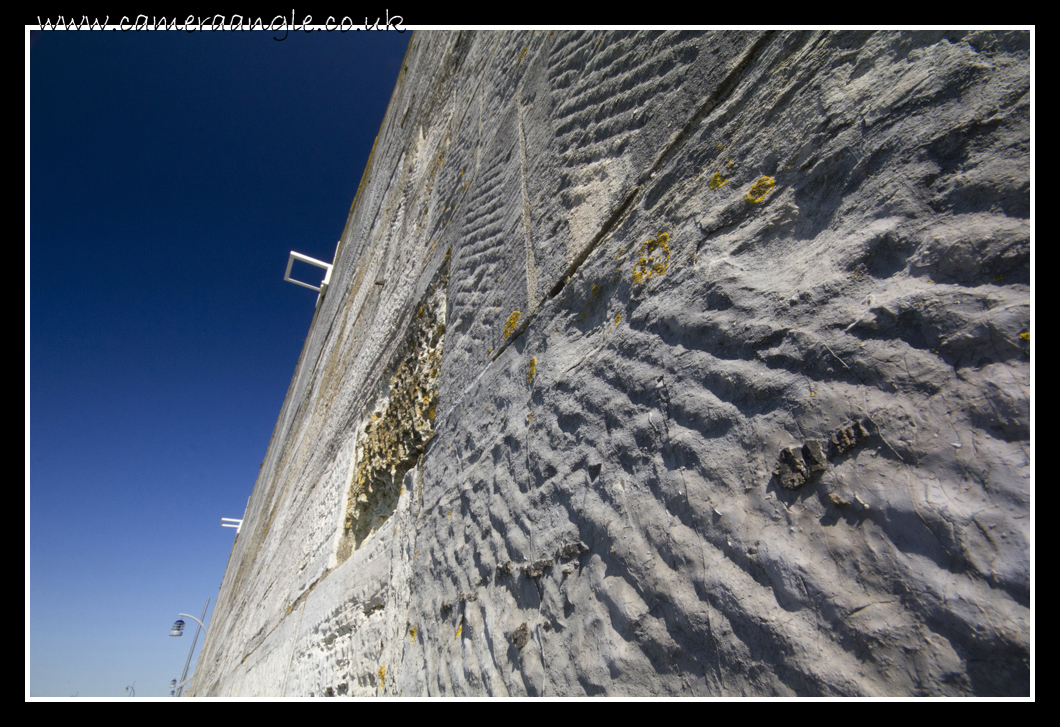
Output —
<point x="521" y="636"/>
<point x="791" y="468"/>
<point x="847" y="436"/>
<point x="537" y="568"/>
<point x="669" y="257"/>
<point x="572" y="550"/>
<point x="813" y="455"/>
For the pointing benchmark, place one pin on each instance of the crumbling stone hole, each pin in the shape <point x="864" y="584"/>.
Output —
<point x="396" y="433"/>
<point x="520" y="637"/>
<point x="798" y="465"/>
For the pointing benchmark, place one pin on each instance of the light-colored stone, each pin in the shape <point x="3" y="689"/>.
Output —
<point x="719" y="246"/>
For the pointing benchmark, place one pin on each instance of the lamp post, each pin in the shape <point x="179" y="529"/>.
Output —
<point x="178" y="630"/>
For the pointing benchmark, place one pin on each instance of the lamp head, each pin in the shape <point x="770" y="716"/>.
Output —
<point x="178" y="628"/>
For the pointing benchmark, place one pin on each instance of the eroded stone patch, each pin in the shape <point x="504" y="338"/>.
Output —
<point x="401" y="426"/>
<point x="798" y="465"/>
<point x="521" y="636"/>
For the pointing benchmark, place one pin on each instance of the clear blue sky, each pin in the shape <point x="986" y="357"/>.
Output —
<point x="169" y="176"/>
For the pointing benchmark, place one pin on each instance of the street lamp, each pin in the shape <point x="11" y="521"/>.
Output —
<point x="178" y="630"/>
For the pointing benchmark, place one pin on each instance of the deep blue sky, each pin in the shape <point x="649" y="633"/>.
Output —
<point x="169" y="176"/>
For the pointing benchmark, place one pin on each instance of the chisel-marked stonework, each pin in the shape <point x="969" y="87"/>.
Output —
<point x="700" y="365"/>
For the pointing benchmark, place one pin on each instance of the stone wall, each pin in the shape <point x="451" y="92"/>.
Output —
<point x="661" y="363"/>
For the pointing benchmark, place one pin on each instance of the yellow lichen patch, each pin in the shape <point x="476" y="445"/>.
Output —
<point x="412" y="634"/>
<point x="531" y="370"/>
<point x="618" y="319"/>
<point x="510" y="325"/>
<point x="522" y="54"/>
<point x="400" y="427"/>
<point x="759" y="189"/>
<point x="654" y="259"/>
<point x="595" y="292"/>
<point x="1026" y="336"/>
<point x="382" y="675"/>
<point x="717" y="181"/>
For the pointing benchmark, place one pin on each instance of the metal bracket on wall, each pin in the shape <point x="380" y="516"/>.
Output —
<point x="312" y="261"/>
